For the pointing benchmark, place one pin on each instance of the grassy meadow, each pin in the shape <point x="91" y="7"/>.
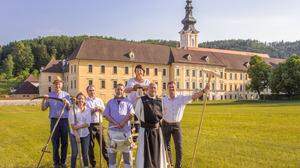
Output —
<point x="234" y="134"/>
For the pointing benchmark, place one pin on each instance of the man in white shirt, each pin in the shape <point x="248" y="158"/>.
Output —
<point x="173" y="109"/>
<point x="97" y="107"/>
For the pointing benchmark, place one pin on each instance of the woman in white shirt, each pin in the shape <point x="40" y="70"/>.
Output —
<point x="80" y="119"/>
<point x="135" y="89"/>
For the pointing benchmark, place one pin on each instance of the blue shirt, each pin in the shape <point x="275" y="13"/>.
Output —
<point x="56" y="106"/>
<point x="118" y="109"/>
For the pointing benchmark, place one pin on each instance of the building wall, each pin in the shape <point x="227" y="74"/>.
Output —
<point x="82" y="76"/>
<point x="45" y="81"/>
<point x="229" y="84"/>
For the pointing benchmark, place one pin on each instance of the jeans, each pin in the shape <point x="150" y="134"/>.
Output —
<point x="60" y="139"/>
<point x="94" y="134"/>
<point x="84" y="150"/>
<point x="175" y="131"/>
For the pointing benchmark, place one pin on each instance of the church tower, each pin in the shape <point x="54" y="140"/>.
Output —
<point x="189" y="34"/>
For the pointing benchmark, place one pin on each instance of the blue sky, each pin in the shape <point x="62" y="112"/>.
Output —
<point x="265" y="20"/>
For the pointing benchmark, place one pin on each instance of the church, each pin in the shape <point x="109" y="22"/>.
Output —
<point x="105" y="63"/>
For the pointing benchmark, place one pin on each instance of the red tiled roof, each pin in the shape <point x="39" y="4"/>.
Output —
<point x="27" y="88"/>
<point x="112" y="50"/>
<point x="32" y="78"/>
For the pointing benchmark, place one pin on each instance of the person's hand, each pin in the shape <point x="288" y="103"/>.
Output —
<point x="66" y="102"/>
<point x="206" y="89"/>
<point x="46" y="97"/>
<point x="76" y="127"/>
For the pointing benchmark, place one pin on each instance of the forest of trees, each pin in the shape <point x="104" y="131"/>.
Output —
<point x="27" y="56"/>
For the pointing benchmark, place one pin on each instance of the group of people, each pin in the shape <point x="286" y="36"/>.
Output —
<point x="156" y="120"/>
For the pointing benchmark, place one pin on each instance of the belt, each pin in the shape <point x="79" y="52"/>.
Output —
<point x="170" y="123"/>
<point x="148" y="125"/>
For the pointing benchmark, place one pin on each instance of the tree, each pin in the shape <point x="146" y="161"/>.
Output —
<point x="285" y="77"/>
<point x="41" y="55"/>
<point x="8" y="66"/>
<point x="259" y="72"/>
<point x="22" y="56"/>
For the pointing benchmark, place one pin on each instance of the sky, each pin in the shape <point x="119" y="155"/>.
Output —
<point x="264" y="20"/>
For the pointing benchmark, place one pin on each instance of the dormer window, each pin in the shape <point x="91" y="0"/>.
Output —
<point x="188" y="57"/>
<point x="131" y="55"/>
<point x="247" y="64"/>
<point x="205" y="58"/>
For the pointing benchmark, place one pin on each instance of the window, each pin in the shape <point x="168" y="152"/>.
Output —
<point x="241" y="76"/>
<point x="71" y="68"/>
<point x="246" y="76"/>
<point x="74" y="84"/>
<point x="155" y="71"/>
<point x="115" y="71"/>
<point x="164" y="86"/>
<point x="235" y="87"/>
<point x="177" y="84"/>
<point x="225" y="87"/>
<point x="187" y="85"/>
<point x="102" y="84"/>
<point x="102" y="69"/>
<point x="126" y="70"/>
<point x="147" y="71"/>
<point x="177" y="72"/>
<point x="194" y="85"/>
<point x="194" y="73"/>
<point x="221" y="86"/>
<point x="200" y="74"/>
<point x="90" y="82"/>
<point x="221" y="97"/>
<point x="90" y="68"/>
<point x="230" y="76"/>
<point x="164" y="72"/>
<point x="241" y="88"/>
<point x="49" y="89"/>
<point x="235" y="76"/>
<point x="221" y="75"/>
<point x="49" y="78"/>
<point x="200" y="85"/>
<point x="213" y="86"/>
<point x="71" y="84"/>
<point x="225" y="75"/>
<point x="74" y="68"/>
<point x="115" y="83"/>
<point x="187" y="72"/>
<point x="230" y="87"/>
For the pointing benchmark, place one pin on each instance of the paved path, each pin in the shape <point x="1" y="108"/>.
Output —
<point x="19" y="102"/>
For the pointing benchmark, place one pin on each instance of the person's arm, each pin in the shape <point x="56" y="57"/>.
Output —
<point x="200" y="94"/>
<point x="138" y="108"/>
<point x="67" y="101"/>
<point x="107" y="116"/>
<point x="128" y="116"/>
<point x="45" y="103"/>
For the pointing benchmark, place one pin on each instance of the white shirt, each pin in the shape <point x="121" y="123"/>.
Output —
<point x="173" y="109"/>
<point x="83" y="117"/>
<point x="134" y="95"/>
<point x="92" y="103"/>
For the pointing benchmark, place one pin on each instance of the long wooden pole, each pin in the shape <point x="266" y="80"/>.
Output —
<point x="100" y="139"/>
<point x="50" y="136"/>
<point x="200" y="123"/>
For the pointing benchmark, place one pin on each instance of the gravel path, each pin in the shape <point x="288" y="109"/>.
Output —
<point x="19" y="102"/>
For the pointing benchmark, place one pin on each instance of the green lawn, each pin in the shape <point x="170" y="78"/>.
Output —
<point x="242" y="134"/>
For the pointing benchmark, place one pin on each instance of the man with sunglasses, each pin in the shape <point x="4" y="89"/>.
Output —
<point x="97" y="107"/>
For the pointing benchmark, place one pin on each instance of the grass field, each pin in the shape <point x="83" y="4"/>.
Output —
<point x="248" y="134"/>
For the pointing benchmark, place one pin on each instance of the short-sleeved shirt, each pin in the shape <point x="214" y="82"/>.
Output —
<point x="133" y="95"/>
<point x="56" y="106"/>
<point x="118" y="109"/>
<point x="92" y="103"/>
<point x="173" y="109"/>
<point x="82" y="117"/>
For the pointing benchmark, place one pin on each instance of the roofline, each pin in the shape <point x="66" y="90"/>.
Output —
<point x="235" y="52"/>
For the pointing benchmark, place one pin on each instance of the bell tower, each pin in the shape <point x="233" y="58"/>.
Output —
<point x="188" y="34"/>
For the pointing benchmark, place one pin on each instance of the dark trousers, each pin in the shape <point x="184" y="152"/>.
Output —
<point x="60" y="140"/>
<point x="84" y="144"/>
<point x="175" y="131"/>
<point x="94" y="134"/>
